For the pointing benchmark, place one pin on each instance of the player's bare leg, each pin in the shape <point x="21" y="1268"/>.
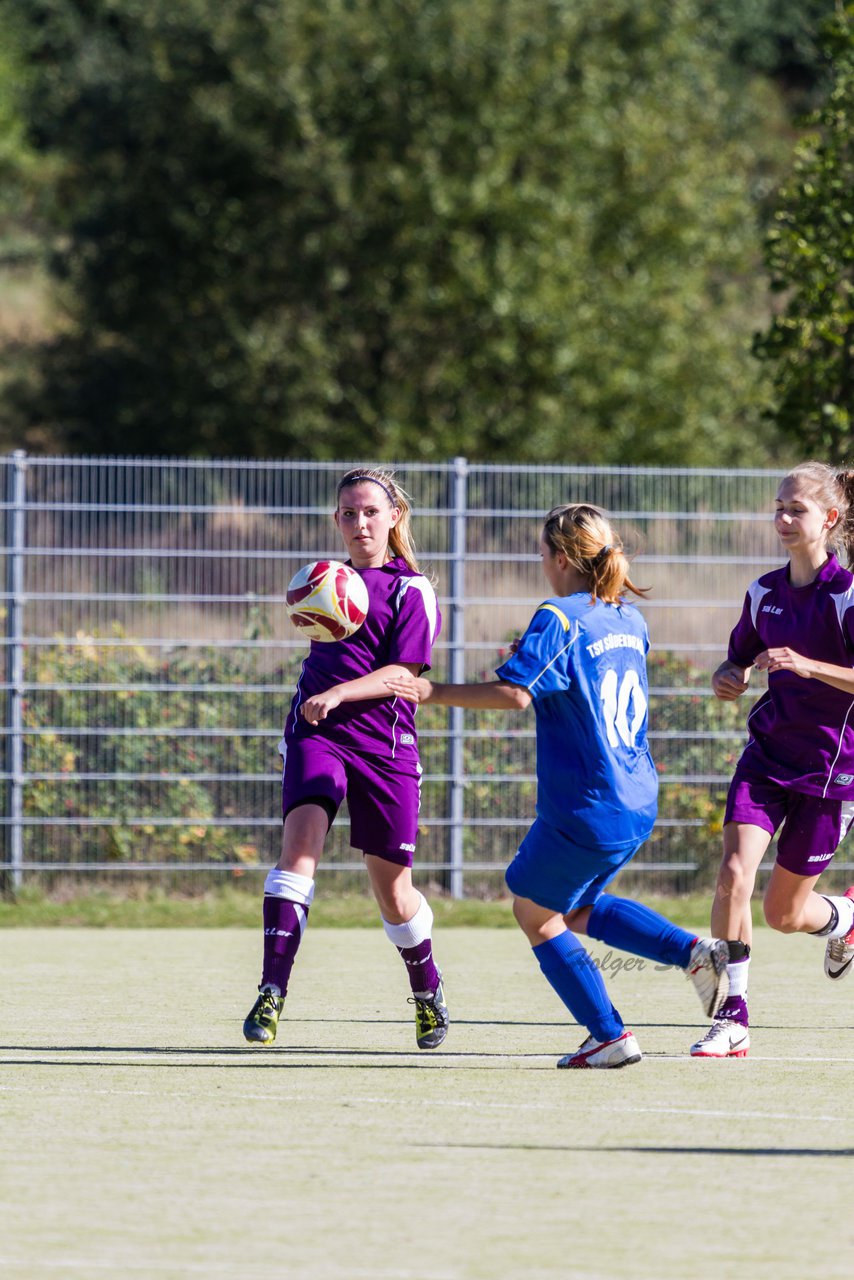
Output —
<point x="792" y="905"/>
<point x="408" y="923"/>
<point x="745" y="846"/>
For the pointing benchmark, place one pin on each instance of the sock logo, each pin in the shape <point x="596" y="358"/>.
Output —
<point x="278" y="933"/>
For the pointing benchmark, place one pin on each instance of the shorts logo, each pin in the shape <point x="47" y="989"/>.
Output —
<point x="406" y="739"/>
<point x="818" y="857"/>
<point x="408" y="848"/>
<point x="844" y="779"/>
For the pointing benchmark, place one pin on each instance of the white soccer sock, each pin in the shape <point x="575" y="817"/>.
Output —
<point x="289" y="885"/>
<point x="845" y="912"/>
<point x="736" y="971"/>
<point x="411" y="932"/>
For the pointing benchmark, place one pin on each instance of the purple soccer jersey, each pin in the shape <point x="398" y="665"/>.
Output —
<point x="402" y="624"/>
<point x="801" y="731"/>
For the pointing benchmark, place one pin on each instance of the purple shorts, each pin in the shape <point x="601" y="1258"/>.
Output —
<point x="812" y="828"/>
<point x="383" y="796"/>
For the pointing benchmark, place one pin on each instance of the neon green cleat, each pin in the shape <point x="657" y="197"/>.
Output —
<point x="431" y="1018"/>
<point x="263" y="1019"/>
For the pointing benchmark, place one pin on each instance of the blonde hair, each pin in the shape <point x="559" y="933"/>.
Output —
<point x="830" y="488"/>
<point x="583" y="534"/>
<point x="400" y="540"/>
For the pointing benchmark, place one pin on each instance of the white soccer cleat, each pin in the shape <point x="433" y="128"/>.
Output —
<point x="621" y="1052"/>
<point x="724" y="1039"/>
<point x="707" y="971"/>
<point x="839" y="952"/>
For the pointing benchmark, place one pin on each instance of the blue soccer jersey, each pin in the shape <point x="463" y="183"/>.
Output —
<point x="585" y="667"/>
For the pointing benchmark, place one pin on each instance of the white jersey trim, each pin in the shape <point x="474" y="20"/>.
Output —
<point x="428" y="595"/>
<point x="838" y="750"/>
<point x="570" y="642"/>
<point x="431" y="609"/>
<point x="757" y="594"/>
<point x="297" y="703"/>
<point x="843" y="603"/>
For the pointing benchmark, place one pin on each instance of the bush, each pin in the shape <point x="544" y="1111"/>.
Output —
<point x="117" y="732"/>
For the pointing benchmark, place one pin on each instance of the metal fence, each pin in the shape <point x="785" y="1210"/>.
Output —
<point x="150" y="663"/>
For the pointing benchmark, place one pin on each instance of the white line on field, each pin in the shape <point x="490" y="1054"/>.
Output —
<point x="458" y="1103"/>
<point x="206" y="1268"/>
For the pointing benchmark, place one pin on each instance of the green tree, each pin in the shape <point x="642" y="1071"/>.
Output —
<point x="511" y="228"/>
<point x="777" y="37"/>
<point x="809" y="345"/>
<point x="23" y="175"/>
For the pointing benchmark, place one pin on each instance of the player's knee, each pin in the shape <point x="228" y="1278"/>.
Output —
<point x="528" y="919"/>
<point x="397" y="908"/>
<point x="733" y="880"/>
<point x="781" y="916"/>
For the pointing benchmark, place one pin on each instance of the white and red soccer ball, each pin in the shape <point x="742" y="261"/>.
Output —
<point x="327" y="600"/>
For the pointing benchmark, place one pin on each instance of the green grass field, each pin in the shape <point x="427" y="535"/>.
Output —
<point x="142" y="1137"/>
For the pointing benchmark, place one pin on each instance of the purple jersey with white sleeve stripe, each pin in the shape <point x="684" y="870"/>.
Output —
<point x="402" y="624"/>
<point x="801" y="731"/>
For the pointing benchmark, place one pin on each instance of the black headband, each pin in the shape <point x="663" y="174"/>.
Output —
<point x="348" y="480"/>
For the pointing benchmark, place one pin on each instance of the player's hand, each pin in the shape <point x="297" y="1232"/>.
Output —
<point x="730" y="682"/>
<point x="413" y="688"/>
<point x="317" y="708"/>
<point x="514" y="645"/>
<point x="784" y="660"/>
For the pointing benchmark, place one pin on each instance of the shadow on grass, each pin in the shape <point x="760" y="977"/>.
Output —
<point x="803" y="1152"/>
<point x="280" y="1056"/>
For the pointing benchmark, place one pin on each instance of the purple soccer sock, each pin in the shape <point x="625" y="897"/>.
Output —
<point x="284" y="922"/>
<point x="735" y="1009"/>
<point x="421" y="967"/>
<point x="414" y="944"/>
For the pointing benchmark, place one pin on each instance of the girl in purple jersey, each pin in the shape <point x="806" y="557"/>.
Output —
<point x="796" y="773"/>
<point x="347" y="735"/>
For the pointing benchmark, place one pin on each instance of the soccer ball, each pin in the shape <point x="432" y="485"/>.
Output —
<point x="327" y="600"/>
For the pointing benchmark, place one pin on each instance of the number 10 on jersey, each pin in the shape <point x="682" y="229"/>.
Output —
<point x="617" y="696"/>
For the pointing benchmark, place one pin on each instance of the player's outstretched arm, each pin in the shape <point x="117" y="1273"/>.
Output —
<point x="373" y="685"/>
<point x="494" y="695"/>
<point x="807" y="668"/>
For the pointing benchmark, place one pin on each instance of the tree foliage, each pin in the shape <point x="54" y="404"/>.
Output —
<point x="510" y="228"/>
<point x="777" y="37"/>
<point x="810" y="255"/>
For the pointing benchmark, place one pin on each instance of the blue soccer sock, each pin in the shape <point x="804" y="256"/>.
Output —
<point x="630" y="926"/>
<point x="573" y="974"/>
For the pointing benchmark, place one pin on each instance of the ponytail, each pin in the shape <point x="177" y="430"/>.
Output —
<point x="583" y="534"/>
<point x="845" y="537"/>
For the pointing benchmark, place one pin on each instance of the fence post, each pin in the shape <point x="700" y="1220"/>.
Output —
<point x="15" y="663"/>
<point x="457" y="675"/>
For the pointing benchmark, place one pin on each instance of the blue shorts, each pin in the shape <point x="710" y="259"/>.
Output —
<point x="554" y="872"/>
